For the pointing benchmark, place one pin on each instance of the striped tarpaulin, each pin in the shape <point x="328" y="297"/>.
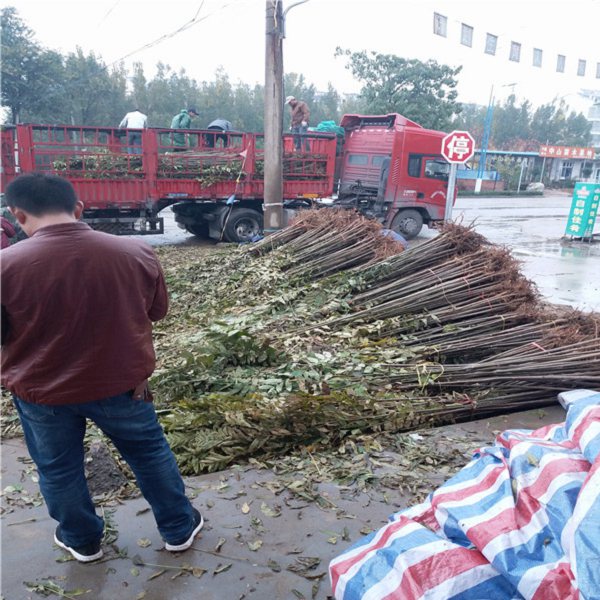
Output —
<point x="521" y="520"/>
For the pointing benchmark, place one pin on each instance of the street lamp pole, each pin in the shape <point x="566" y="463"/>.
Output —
<point x="487" y="126"/>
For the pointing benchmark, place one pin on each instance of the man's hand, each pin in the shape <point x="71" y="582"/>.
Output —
<point x="304" y="124"/>
<point x="142" y="392"/>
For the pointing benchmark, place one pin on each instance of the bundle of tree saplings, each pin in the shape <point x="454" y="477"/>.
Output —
<point x="328" y="330"/>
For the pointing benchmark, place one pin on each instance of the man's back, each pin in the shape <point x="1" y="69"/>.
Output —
<point x="134" y="120"/>
<point x="84" y="301"/>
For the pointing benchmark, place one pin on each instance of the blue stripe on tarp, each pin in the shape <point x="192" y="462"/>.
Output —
<point x="496" y="588"/>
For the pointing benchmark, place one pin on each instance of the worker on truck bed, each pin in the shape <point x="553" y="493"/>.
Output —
<point x="77" y="313"/>
<point x="182" y="120"/>
<point x="299" y="125"/>
<point x="135" y="119"/>
<point x="220" y="126"/>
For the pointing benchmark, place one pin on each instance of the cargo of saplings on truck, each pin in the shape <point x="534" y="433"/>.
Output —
<point x="383" y="168"/>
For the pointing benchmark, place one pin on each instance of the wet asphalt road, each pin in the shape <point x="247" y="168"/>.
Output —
<point x="566" y="272"/>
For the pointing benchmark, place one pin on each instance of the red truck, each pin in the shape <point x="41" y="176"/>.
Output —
<point x="388" y="167"/>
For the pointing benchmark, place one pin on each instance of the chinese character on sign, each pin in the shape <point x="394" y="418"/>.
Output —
<point x="458" y="147"/>
<point x="584" y="208"/>
<point x="566" y="151"/>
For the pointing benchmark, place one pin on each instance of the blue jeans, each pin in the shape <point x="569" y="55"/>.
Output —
<point x="54" y="437"/>
<point x="299" y="132"/>
<point x="135" y="139"/>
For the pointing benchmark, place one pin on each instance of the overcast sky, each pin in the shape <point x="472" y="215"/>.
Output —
<point x="231" y="34"/>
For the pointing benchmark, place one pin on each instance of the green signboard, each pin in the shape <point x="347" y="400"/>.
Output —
<point x="584" y="208"/>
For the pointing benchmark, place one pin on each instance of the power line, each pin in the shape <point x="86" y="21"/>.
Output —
<point x="193" y="21"/>
<point x="108" y="12"/>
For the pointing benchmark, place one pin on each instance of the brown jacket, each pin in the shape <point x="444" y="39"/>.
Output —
<point x="79" y="306"/>
<point x="300" y="112"/>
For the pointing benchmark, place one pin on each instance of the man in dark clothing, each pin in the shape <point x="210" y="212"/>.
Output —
<point x="8" y="232"/>
<point x="299" y="124"/>
<point x="77" y="308"/>
<point x="182" y="120"/>
<point x="218" y="125"/>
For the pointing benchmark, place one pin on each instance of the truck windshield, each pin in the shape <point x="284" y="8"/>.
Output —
<point x="437" y="169"/>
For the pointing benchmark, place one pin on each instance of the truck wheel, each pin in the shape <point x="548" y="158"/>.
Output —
<point x="243" y="224"/>
<point x="198" y="229"/>
<point x="408" y="223"/>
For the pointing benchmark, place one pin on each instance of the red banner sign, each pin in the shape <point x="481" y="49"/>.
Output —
<point x="566" y="152"/>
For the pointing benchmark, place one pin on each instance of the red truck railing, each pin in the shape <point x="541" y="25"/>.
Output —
<point x="111" y="171"/>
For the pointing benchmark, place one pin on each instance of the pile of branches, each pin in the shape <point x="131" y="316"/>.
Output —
<point x="323" y="242"/>
<point x="327" y="329"/>
<point x="100" y="163"/>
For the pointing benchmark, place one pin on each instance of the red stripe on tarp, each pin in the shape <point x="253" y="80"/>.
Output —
<point x="557" y="585"/>
<point x="528" y="504"/>
<point x="343" y="566"/>
<point x="470" y="488"/>
<point x="434" y="570"/>
<point x="590" y="417"/>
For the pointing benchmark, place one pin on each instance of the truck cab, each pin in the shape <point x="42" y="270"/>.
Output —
<point x="391" y="169"/>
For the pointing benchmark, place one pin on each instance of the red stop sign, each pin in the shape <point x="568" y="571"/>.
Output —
<point x="458" y="147"/>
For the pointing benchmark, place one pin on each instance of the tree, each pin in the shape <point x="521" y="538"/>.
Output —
<point x="471" y="119"/>
<point x="550" y="124"/>
<point x="578" y="130"/>
<point x="168" y="93"/>
<point x="94" y="95"/>
<point x="511" y="125"/>
<point x="138" y="96"/>
<point x="422" y="91"/>
<point x="30" y="74"/>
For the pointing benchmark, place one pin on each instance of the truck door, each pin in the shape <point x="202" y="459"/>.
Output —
<point x="428" y="175"/>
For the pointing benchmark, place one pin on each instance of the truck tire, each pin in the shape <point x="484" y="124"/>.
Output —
<point x="242" y="225"/>
<point x="408" y="222"/>
<point x="200" y="230"/>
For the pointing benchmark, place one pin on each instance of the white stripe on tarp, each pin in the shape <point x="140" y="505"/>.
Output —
<point x="590" y="434"/>
<point x="492" y="512"/>
<point x="531" y="579"/>
<point x="515" y="537"/>
<point x="560" y="481"/>
<point x="345" y="577"/>
<point x="455" y="487"/>
<point x="460" y="583"/>
<point x="405" y="560"/>
<point x="588" y="496"/>
<point x="528" y="479"/>
<point x="443" y="509"/>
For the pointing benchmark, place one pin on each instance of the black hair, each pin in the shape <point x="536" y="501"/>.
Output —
<point x="39" y="194"/>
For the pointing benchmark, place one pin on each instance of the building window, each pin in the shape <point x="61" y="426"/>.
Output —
<point x="515" y="52"/>
<point x="560" y="63"/>
<point x="466" y="35"/>
<point x="597" y="70"/>
<point x="491" y="41"/>
<point x="581" y="68"/>
<point x="537" y="57"/>
<point x="440" y="24"/>
<point x="566" y="170"/>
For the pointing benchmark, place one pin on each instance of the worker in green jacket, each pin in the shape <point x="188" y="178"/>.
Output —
<point x="182" y="120"/>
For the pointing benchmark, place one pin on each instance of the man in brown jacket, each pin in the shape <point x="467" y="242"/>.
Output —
<point x="299" y="125"/>
<point x="77" y="313"/>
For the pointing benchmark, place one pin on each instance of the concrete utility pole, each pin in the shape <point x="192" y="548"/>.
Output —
<point x="273" y="168"/>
